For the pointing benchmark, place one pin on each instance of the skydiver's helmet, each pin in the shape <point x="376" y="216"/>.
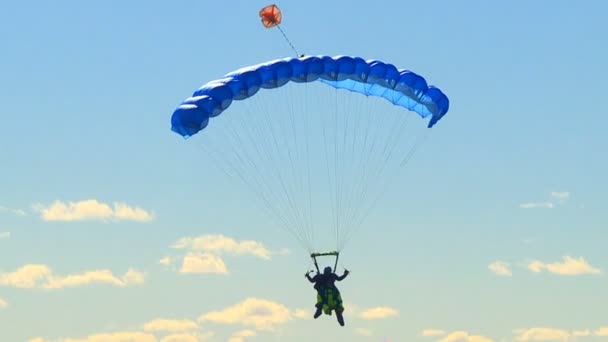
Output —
<point x="327" y="270"/>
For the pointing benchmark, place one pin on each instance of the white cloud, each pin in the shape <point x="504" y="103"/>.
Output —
<point x="261" y="314"/>
<point x="92" y="210"/>
<point x="302" y="314"/>
<point x="556" y="198"/>
<point x="463" y="336"/>
<point x="28" y="276"/>
<point x="5" y="235"/>
<point x="581" y="333"/>
<point x="203" y="263"/>
<point x="432" y="332"/>
<point x="221" y="244"/>
<point x="166" y="261"/>
<point x="187" y="337"/>
<point x="535" y="205"/>
<point x="17" y="212"/>
<point x="543" y="334"/>
<point x="3" y="303"/>
<point x="133" y="336"/>
<point x="240" y="336"/>
<point x="500" y="268"/>
<point x="603" y="331"/>
<point x="560" y="196"/>
<point x="41" y="276"/>
<point x="122" y="336"/>
<point x="569" y="266"/>
<point x="363" y="332"/>
<point x="132" y="277"/>
<point x="170" y="325"/>
<point x="378" y="313"/>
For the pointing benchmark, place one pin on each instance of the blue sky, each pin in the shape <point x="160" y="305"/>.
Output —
<point x="113" y="228"/>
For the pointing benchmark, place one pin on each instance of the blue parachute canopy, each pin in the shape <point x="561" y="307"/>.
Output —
<point x="369" y="77"/>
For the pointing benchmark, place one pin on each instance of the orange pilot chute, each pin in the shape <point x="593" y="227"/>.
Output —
<point x="271" y="16"/>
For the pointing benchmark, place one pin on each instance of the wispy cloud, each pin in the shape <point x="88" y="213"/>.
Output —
<point x="378" y="313"/>
<point x="432" y="332"/>
<point x="259" y="313"/>
<point x="560" y="196"/>
<point x="203" y="263"/>
<point x="219" y="244"/>
<point x="183" y="337"/>
<point x="555" y="198"/>
<point x="41" y="276"/>
<point x="569" y="266"/>
<point x="92" y="209"/>
<point x="134" y="336"/>
<point x="17" y="212"/>
<point x="302" y="314"/>
<point x="170" y="325"/>
<point x="535" y="205"/>
<point x="602" y="331"/>
<point x="363" y="332"/>
<point x="500" y="268"/>
<point x="5" y="235"/>
<point x="188" y="337"/>
<point x="240" y="336"/>
<point x="556" y="334"/>
<point x="121" y="336"/>
<point x="581" y="333"/>
<point x="463" y="336"/>
<point x="3" y="303"/>
<point x="166" y="261"/>
<point x="543" y="334"/>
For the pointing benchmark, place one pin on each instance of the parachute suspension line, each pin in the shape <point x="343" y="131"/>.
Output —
<point x="309" y="184"/>
<point x="262" y="141"/>
<point x="365" y="161"/>
<point x="288" y="41"/>
<point x="298" y="170"/>
<point x="290" y="221"/>
<point x="376" y="172"/>
<point x="291" y="187"/>
<point x="336" y="159"/>
<point x="325" y="123"/>
<point x="267" y="206"/>
<point x="419" y="142"/>
<point x="353" y="158"/>
<point x="288" y="191"/>
<point x="345" y="158"/>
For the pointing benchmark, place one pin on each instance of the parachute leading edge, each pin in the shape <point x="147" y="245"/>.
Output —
<point x="369" y="77"/>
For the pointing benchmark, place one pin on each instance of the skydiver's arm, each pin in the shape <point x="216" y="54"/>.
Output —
<point x="312" y="280"/>
<point x="340" y="278"/>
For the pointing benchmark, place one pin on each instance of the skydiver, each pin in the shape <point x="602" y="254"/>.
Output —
<point x="328" y="295"/>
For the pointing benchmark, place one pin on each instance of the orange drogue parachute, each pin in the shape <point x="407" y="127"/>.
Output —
<point x="271" y="16"/>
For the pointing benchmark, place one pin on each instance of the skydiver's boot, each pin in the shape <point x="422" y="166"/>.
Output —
<point x="340" y="318"/>
<point x="317" y="313"/>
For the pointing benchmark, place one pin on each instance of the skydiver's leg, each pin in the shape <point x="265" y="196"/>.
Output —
<point x="339" y="317"/>
<point x="319" y="306"/>
<point x="317" y="313"/>
<point x="339" y="309"/>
